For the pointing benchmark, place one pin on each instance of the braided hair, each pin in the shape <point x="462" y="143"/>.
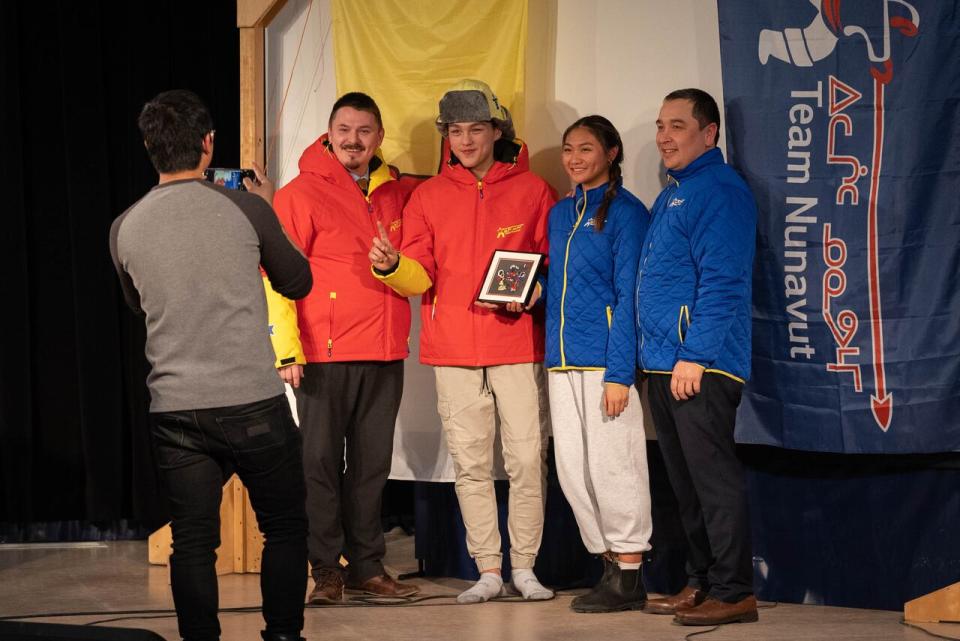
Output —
<point x="609" y="138"/>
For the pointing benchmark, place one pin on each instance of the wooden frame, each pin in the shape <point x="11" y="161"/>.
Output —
<point x="253" y="16"/>
<point x="939" y="606"/>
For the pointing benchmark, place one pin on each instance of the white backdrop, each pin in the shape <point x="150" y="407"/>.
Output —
<point x="613" y="57"/>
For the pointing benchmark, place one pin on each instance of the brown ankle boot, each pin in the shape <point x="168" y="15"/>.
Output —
<point x="328" y="589"/>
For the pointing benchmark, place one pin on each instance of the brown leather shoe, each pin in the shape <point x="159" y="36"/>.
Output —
<point x="328" y="589"/>
<point x="688" y="597"/>
<point x="384" y="585"/>
<point x="715" y="612"/>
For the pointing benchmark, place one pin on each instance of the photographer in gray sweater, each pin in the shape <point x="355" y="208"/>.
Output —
<point x="189" y="255"/>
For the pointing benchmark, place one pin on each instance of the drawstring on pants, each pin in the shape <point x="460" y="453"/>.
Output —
<point x="485" y="384"/>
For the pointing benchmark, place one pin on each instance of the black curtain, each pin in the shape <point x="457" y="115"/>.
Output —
<point x="73" y="77"/>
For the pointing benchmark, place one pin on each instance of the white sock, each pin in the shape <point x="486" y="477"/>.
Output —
<point x="526" y="583"/>
<point x="489" y="586"/>
<point x="628" y="566"/>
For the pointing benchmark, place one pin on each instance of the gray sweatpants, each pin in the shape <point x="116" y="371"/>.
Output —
<point x="601" y="462"/>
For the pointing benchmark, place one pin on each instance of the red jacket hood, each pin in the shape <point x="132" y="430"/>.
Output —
<point x="511" y="158"/>
<point x="319" y="159"/>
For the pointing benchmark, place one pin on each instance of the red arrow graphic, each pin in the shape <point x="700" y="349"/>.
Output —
<point x="882" y="402"/>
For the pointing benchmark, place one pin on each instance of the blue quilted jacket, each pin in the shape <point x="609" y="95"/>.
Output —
<point x="693" y="286"/>
<point x="589" y="294"/>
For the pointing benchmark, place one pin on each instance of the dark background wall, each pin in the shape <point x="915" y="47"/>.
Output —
<point x="73" y="77"/>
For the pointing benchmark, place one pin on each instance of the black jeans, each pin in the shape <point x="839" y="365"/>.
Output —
<point x="197" y="451"/>
<point x="348" y="412"/>
<point x="696" y="440"/>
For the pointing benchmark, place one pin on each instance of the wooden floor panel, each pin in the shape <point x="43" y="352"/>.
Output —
<point x="102" y="578"/>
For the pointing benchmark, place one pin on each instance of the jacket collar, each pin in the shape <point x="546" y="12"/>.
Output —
<point x="594" y="196"/>
<point x="511" y="157"/>
<point x="710" y="157"/>
<point x="319" y="159"/>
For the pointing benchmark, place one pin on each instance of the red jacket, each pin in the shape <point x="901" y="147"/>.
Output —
<point x="348" y="315"/>
<point x="452" y="225"/>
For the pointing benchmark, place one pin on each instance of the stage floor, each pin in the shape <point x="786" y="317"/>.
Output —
<point x="105" y="578"/>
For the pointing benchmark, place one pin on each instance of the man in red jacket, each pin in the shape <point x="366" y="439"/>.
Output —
<point x="354" y="332"/>
<point x="487" y="360"/>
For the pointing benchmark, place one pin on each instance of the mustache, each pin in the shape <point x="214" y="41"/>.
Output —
<point x="349" y="147"/>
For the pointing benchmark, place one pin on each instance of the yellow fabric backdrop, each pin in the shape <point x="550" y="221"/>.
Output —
<point x="406" y="53"/>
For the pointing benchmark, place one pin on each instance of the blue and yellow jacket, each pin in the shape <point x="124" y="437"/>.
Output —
<point x="590" y="285"/>
<point x="694" y="281"/>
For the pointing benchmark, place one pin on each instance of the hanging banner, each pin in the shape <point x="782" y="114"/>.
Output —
<point x="844" y="118"/>
<point x="406" y="54"/>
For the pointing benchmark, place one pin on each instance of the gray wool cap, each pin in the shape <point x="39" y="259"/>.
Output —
<point x="473" y="101"/>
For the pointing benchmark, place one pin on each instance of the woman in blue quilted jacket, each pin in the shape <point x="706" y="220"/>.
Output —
<point x="595" y="240"/>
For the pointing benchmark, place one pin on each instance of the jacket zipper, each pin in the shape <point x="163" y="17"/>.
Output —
<point x="676" y="183"/>
<point x="333" y="300"/>
<point x="373" y="222"/>
<point x="476" y="244"/>
<point x="636" y="302"/>
<point x="386" y="290"/>
<point x="563" y="294"/>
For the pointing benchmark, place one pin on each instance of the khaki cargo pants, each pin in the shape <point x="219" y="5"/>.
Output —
<point x="469" y="400"/>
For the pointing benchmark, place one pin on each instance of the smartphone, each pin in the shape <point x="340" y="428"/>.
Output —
<point x="229" y="178"/>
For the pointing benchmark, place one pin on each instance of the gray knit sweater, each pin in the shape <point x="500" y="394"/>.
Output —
<point x="187" y="254"/>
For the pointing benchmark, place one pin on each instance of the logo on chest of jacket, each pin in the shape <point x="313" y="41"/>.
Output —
<point x="506" y="231"/>
<point x="676" y="202"/>
<point x="590" y="223"/>
<point x="395" y="224"/>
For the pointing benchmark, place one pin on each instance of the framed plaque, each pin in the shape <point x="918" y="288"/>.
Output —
<point x="510" y="277"/>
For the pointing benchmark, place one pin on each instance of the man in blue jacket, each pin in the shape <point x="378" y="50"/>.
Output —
<point x="693" y="297"/>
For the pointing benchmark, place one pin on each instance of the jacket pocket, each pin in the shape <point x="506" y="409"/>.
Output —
<point x="173" y="447"/>
<point x="683" y="322"/>
<point x="330" y="323"/>
<point x="263" y="437"/>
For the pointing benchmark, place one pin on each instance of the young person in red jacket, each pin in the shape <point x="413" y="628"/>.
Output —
<point x="354" y="333"/>
<point x="487" y="360"/>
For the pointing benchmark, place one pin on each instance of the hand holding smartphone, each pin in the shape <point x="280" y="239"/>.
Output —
<point x="230" y="178"/>
<point x="253" y="180"/>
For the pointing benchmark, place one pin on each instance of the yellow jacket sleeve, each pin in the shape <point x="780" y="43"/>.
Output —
<point x="284" y="332"/>
<point x="408" y="279"/>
